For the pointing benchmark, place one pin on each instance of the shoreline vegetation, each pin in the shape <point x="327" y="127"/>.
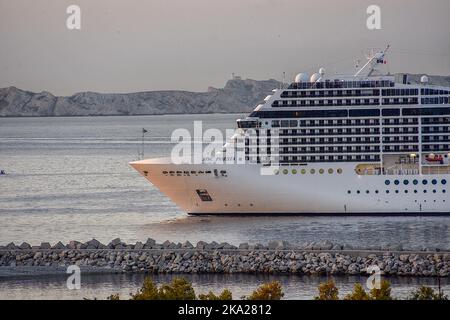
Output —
<point x="181" y="289"/>
<point x="277" y="257"/>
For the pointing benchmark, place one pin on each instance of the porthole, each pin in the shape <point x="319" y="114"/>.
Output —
<point x="424" y="191"/>
<point x="434" y="182"/>
<point x="376" y="191"/>
<point x="339" y="171"/>
<point x="415" y="182"/>
<point x="396" y="182"/>
<point x="415" y="191"/>
<point x="312" y="171"/>
<point x="396" y="191"/>
<point x="444" y="182"/>
<point x="321" y="171"/>
<point x="276" y="171"/>
<point x="294" y="171"/>
<point x="349" y="192"/>
<point x="330" y="171"/>
<point x="358" y="192"/>
<point x="285" y="171"/>
<point x="424" y="182"/>
<point x="387" y="191"/>
<point x="387" y="182"/>
<point x="406" y="191"/>
<point x="303" y="171"/>
<point x="405" y="182"/>
<point x="434" y="190"/>
<point x="251" y="204"/>
<point x="444" y="191"/>
<point x="367" y="191"/>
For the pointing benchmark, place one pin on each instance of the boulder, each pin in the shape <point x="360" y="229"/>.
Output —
<point x="166" y="244"/>
<point x="11" y="246"/>
<point x="150" y="243"/>
<point x="212" y="246"/>
<point x="326" y="245"/>
<point x="93" y="244"/>
<point x="187" y="245"/>
<point x="73" y="245"/>
<point x="201" y="245"/>
<point x="25" y="246"/>
<point x="59" y="246"/>
<point x="115" y="242"/>
<point x="139" y="246"/>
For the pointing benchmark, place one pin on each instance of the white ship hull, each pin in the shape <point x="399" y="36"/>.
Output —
<point x="244" y="190"/>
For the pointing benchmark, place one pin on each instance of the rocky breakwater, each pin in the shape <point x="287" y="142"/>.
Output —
<point x="275" y="257"/>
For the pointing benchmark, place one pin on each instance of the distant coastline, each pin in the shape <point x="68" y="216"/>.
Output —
<point x="237" y="96"/>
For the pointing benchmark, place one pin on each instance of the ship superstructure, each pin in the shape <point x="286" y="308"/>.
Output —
<point x="358" y="144"/>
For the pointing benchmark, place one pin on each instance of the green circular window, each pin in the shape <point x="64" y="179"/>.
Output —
<point x="321" y="171"/>
<point x="339" y="170"/>
<point x="312" y="171"/>
<point x="303" y="171"/>
<point x="330" y="171"/>
<point x="294" y="171"/>
<point x="285" y="171"/>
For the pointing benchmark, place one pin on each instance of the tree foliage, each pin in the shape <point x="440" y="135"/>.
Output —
<point x="328" y="291"/>
<point x="358" y="293"/>
<point x="384" y="293"/>
<point x="268" y="291"/>
<point x="177" y="289"/>
<point x="225" y="295"/>
<point x="426" y="293"/>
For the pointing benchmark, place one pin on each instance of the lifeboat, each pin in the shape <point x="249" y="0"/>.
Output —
<point x="435" y="158"/>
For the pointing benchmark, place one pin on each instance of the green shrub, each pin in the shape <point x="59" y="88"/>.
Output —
<point x="225" y="295"/>
<point x="177" y="289"/>
<point x="328" y="291"/>
<point x="358" y="293"/>
<point x="268" y="291"/>
<point x="384" y="293"/>
<point x="426" y="293"/>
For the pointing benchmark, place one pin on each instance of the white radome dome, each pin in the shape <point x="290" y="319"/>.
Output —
<point x="424" y="79"/>
<point x="315" y="77"/>
<point x="301" y="77"/>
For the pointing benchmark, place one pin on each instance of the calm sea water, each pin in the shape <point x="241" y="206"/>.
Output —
<point x="69" y="179"/>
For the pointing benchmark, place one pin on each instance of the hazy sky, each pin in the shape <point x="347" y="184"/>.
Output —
<point x="138" y="45"/>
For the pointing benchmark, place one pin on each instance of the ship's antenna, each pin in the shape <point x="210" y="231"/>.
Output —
<point x="377" y="57"/>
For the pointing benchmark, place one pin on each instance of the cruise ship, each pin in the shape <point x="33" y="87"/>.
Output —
<point x="361" y="144"/>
